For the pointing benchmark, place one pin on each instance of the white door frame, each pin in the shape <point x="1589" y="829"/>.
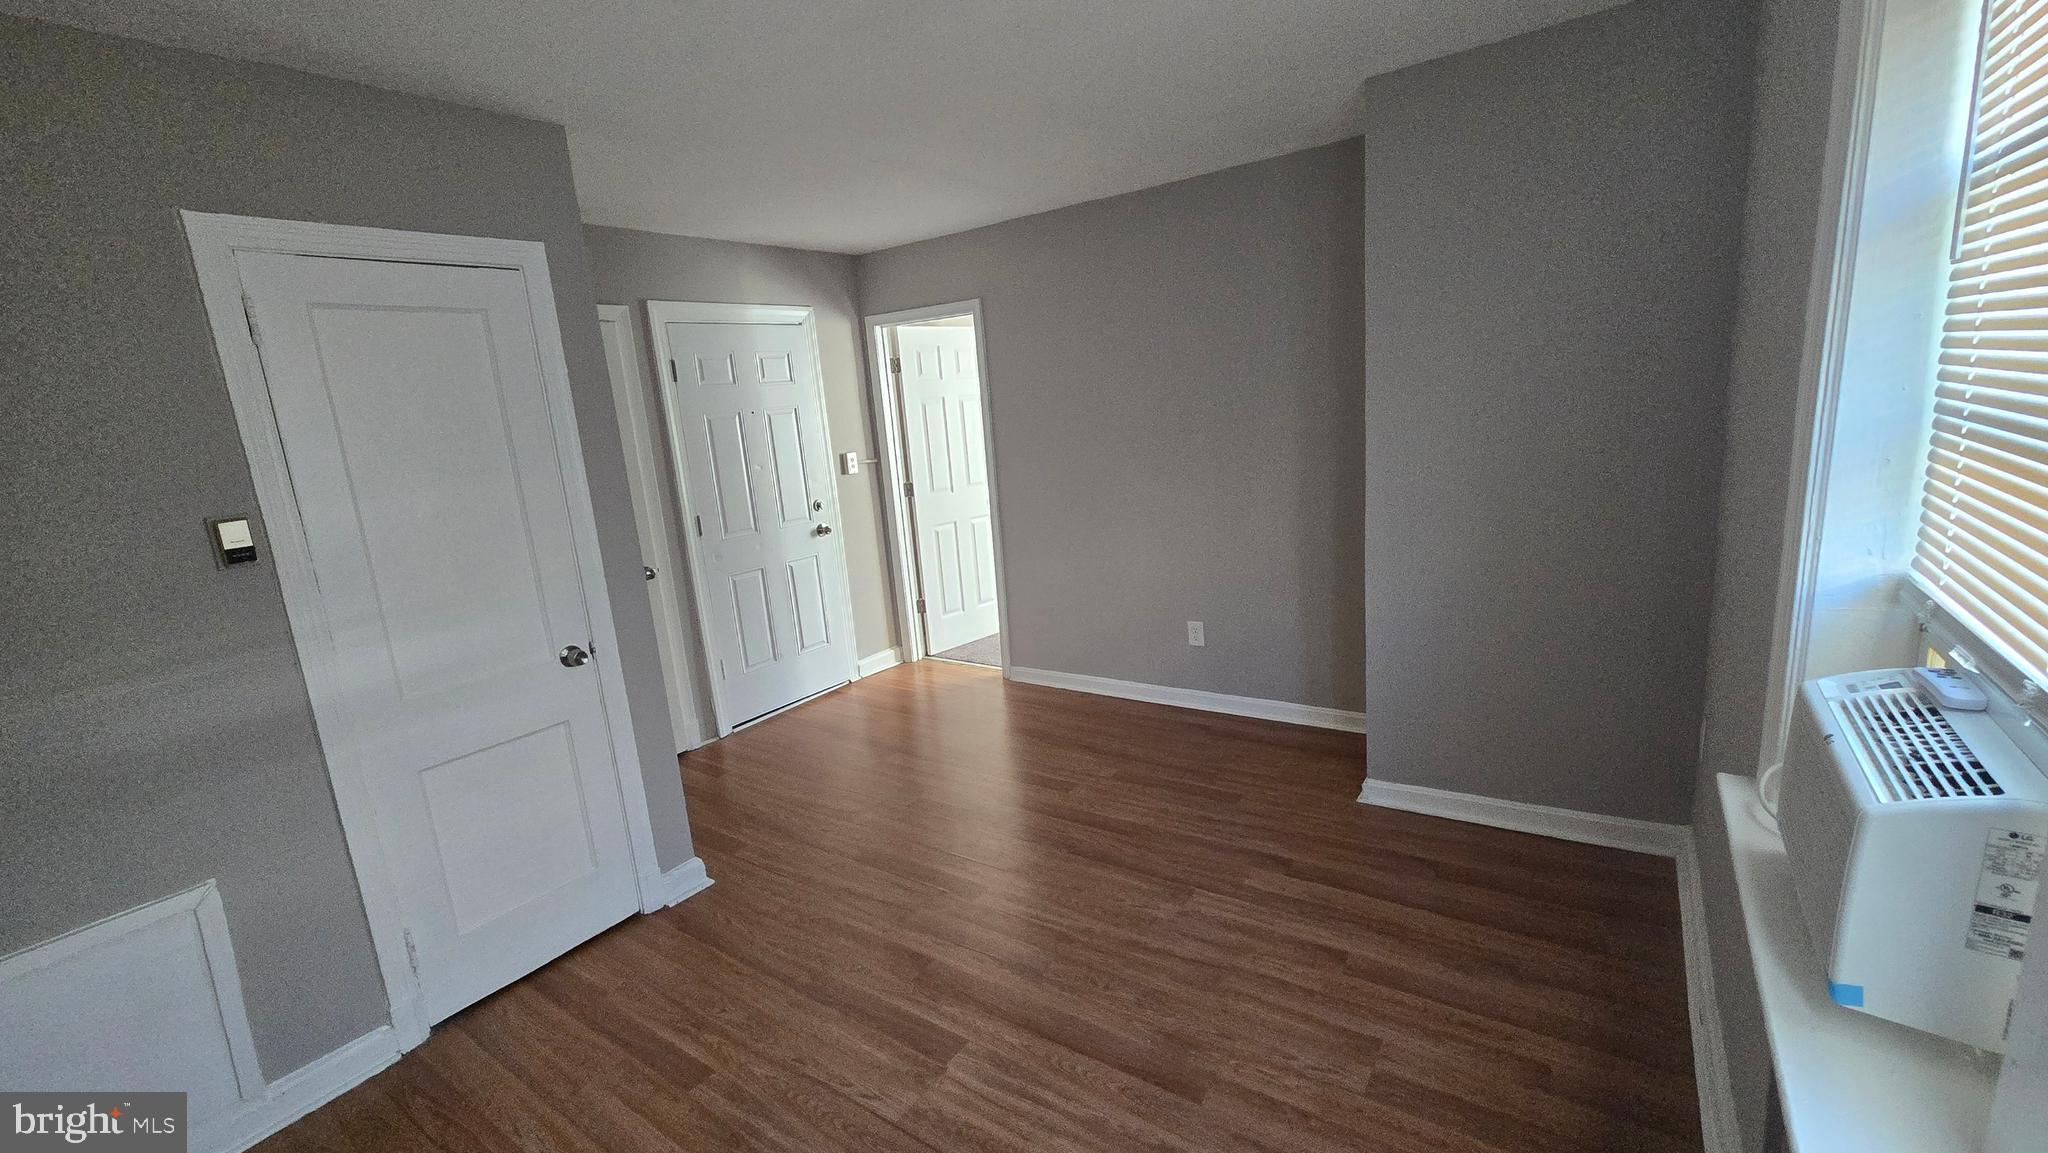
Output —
<point x="661" y="314"/>
<point x="644" y="469"/>
<point x="896" y="534"/>
<point x="215" y="240"/>
<point x="1843" y="179"/>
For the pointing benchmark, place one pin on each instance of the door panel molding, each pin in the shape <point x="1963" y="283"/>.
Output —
<point x="659" y="315"/>
<point x="216" y="240"/>
<point x="899" y="527"/>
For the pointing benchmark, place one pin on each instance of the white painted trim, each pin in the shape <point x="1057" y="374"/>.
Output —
<point x="1720" y="1132"/>
<point x="684" y="881"/>
<point x="705" y="312"/>
<point x="1843" y="176"/>
<point x="201" y="902"/>
<point x="1314" y="716"/>
<point x="644" y="468"/>
<point x="896" y="529"/>
<point x="879" y="662"/>
<point x="303" y="1090"/>
<point x="1564" y="824"/>
<point x="661" y="314"/>
<point x="215" y="239"/>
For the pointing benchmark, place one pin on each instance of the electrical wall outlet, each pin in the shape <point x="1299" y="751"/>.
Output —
<point x="1195" y="637"/>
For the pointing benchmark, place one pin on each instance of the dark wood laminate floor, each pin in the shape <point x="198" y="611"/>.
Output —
<point x="954" y="914"/>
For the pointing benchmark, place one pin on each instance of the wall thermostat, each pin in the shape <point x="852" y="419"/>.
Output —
<point x="232" y="542"/>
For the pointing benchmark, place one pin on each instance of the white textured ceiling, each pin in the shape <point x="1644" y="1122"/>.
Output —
<point x="853" y="125"/>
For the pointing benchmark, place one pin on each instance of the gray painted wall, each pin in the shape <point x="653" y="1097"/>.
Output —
<point x="1795" y="68"/>
<point x="1551" y="226"/>
<point x="1174" y="397"/>
<point x="631" y="268"/>
<point x="154" y="725"/>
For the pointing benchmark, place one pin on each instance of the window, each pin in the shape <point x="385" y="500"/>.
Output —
<point x="1983" y="538"/>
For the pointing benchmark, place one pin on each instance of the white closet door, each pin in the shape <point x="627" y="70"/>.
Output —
<point x="425" y="464"/>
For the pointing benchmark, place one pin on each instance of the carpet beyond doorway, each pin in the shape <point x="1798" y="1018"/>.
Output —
<point x="986" y="651"/>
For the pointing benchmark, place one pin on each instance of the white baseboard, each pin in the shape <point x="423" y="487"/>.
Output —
<point x="305" y="1089"/>
<point x="876" y="662"/>
<point x="1312" y="715"/>
<point x="1719" y="1130"/>
<point x="684" y="881"/>
<point x="1564" y="824"/>
<point x="301" y="1091"/>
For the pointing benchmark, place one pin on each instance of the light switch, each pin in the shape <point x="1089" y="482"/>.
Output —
<point x="232" y="541"/>
<point x="849" y="463"/>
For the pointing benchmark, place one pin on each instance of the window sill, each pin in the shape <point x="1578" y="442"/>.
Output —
<point x="1847" y="1082"/>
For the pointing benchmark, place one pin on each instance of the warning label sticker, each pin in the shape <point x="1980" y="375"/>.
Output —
<point x="2006" y="885"/>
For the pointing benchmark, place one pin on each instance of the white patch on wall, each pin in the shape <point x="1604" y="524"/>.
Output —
<point x="147" y="1000"/>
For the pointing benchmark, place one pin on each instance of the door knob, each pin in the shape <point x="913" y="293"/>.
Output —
<point x="573" y="655"/>
<point x="647" y="572"/>
<point x="823" y="530"/>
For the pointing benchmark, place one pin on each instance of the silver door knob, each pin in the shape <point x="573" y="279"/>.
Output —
<point x="823" y="530"/>
<point x="573" y="656"/>
<point x="647" y="572"/>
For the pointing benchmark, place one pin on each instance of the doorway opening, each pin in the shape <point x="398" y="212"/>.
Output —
<point x="930" y="384"/>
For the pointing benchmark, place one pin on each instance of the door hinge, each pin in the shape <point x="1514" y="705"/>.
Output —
<point x="896" y="365"/>
<point x="699" y="518"/>
<point x="920" y="606"/>
<point x="907" y="490"/>
<point x="249" y="314"/>
<point x="674" y="376"/>
<point x="412" y="954"/>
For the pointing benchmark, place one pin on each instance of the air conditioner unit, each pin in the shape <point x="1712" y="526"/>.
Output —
<point x="1915" y="836"/>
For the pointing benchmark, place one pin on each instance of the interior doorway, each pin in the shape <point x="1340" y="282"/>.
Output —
<point x="931" y="403"/>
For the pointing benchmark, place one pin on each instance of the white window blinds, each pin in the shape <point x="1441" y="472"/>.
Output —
<point x="1983" y="546"/>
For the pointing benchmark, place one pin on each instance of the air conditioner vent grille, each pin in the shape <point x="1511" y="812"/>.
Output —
<point x="1910" y="751"/>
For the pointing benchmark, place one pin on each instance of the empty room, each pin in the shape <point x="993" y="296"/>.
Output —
<point x="654" y="576"/>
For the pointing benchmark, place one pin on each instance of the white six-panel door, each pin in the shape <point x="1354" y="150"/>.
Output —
<point x="942" y="435"/>
<point x="425" y="466"/>
<point x="746" y="410"/>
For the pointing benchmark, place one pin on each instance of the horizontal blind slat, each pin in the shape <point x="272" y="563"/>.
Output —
<point x="1982" y="542"/>
<point x="2016" y="341"/>
<point x="2015" y="611"/>
<point x="1979" y="458"/>
<point x="1991" y="540"/>
<point x="2026" y="526"/>
<point x="1963" y="590"/>
<point x="2018" y="392"/>
<point x="2027" y="369"/>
